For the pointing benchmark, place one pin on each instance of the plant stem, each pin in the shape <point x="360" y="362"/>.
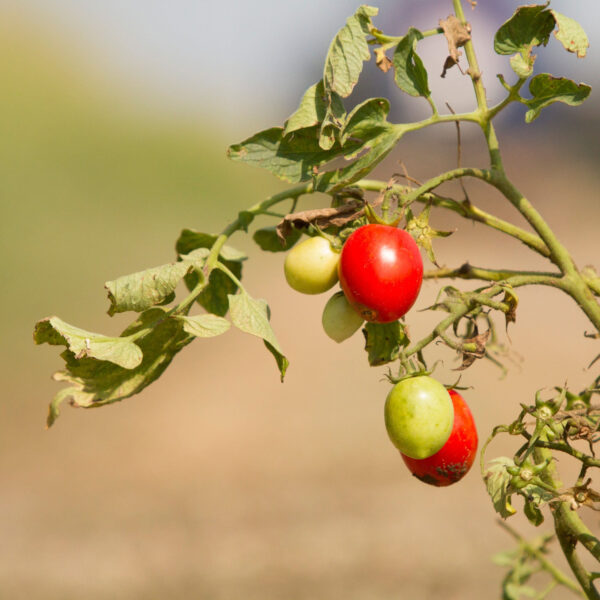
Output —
<point x="551" y="568"/>
<point x="466" y="210"/>
<point x="570" y="529"/>
<point x="513" y="278"/>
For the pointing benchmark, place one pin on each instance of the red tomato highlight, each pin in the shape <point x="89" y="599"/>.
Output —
<point x="453" y="461"/>
<point x="381" y="272"/>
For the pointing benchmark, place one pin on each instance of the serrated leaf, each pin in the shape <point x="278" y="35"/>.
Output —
<point x="347" y="52"/>
<point x="142" y="290"/>
<point x="383" y="342"/>
<point x="81" y="343"/>
<point x="293" y="158"/>
<point x="214" y="296"/>
<point x="547" y="89"/>
<point x="529" y="26"/>
<point x="497" y="480"/>
<point x="410" y="74"/>
<point x="204" y="326"/>
<point x="269" y="240"/>
<point x="252" y="316"/>
<point x="98" y="382"/>
<point x="571" y="34"/>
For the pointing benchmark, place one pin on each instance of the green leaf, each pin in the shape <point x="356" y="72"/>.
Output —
<point x="81" y="343"/>
<point x="383" y="342"/>
<point x="252" y="316"/>
<point x="204" y="326"/>
<point x="214" y="296"/>
<point x="332" y="122"/>
<point x="190" y="240"/>
<point x="268" y="240"/>
<point x="497" y="480"/>
<point x="571" y="34"/>
<point x="367" y="120"/>
<point x="410" y="74"/>
<point x="522" y="65"/>
<point x="142" y="290"/>
<point x="528" y="27"/>
<point x="372" y="152"/>
<point x="98" y="382"/>
<point x="547" y="89"/>
<point x="318" y="107"/>
<point x="347" y="52"/>
<point x="293" y="158"/>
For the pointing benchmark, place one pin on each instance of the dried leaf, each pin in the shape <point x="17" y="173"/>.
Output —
<point x="457" y="35"/>
<point x="382" y="61"/>
<point x="480" y="340"/>
<point x="320" y="217"/>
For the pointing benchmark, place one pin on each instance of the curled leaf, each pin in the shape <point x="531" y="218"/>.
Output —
<point x="457" y="35"/>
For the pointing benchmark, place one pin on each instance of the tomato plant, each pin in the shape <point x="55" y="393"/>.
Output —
<point x="418" y="416"/>
<point x="311" y="266"/>
<point x="381" y="271"/>
<point x="339" y="319"/>
<point x="329" y="148"/>
<point x="454" y="459"/>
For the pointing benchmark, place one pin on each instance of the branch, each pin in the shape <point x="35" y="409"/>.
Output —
<point x="514" y="278"/>
<point x="466" y="210"/>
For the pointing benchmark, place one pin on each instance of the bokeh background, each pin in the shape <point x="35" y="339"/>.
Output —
<point x="219" y="482"/>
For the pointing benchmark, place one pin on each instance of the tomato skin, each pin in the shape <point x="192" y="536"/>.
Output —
<point x="340" y="321"/>
<point x="310" y="267"/>
<point x="381" y="272"/>
<point x="453" y="461"/>
<point x="418" y="416"/>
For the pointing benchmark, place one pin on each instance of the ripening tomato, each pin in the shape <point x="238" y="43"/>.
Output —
<point x="418" y="416"/>
<point x="340" y="321"/>
<point x="381" y="271"/>
<point x="310" y="267"/>
<point x="453" y="461"/>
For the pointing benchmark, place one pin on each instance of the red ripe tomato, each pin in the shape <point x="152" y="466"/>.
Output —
<point x="381" y="271"/>
<point x="453" y="461"/>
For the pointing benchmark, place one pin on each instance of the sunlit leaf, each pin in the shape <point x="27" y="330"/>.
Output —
<point x="252" y="316"/>
<point x="95" y="382"/>
<point x="547" y="89"/>
<point x="81" y="343"/>
<point x="347" y="52"/>
<point x="497" y="480"/>
<point x="204" y="326"/>
<point x="410" y="74"/>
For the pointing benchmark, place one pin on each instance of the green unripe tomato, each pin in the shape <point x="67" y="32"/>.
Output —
<point x="310" y="267"/>
<point x="340" y="320"/>
<point x="419" y="416"/>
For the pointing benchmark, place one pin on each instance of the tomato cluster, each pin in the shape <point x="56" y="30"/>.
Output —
<point x="380" y="272"/>
<point x="379" y="268"/>
<point x="454" y="459"/>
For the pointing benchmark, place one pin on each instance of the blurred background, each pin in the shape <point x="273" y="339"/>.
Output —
<point x="217" y="481"/>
